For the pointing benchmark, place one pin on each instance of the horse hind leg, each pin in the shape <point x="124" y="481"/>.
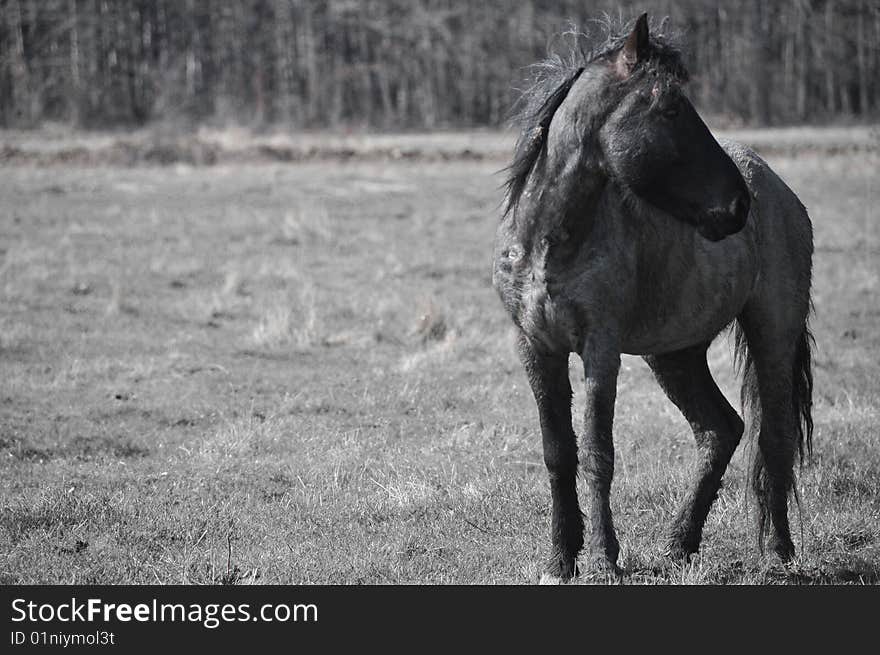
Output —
<point x="685" y="377"/>
<point x="778" y="387"/>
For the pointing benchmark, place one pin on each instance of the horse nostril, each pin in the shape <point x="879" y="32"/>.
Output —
<point x="724" y="221"/>
<point x="739" y="208"/>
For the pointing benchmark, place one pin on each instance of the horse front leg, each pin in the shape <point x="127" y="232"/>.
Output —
<point x="548" y="378"/>
<point x="601" y="365"/>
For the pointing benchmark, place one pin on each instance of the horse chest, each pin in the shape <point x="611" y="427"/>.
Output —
<point x="534" y="301"/>
<point x="539" y="293"/>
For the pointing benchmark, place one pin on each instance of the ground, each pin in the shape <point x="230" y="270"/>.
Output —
<point x="299" y="373"/>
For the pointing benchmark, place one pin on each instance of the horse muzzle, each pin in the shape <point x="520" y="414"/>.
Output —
<point x="723" y="222"/>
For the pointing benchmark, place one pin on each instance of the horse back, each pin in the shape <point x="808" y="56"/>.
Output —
<point x="783" y="231"/>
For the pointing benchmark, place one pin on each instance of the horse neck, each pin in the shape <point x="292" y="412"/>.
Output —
<point x="660" y="242"/>
<point x="562" y="195"/>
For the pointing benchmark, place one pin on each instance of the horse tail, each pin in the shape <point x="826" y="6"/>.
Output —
<point x="802" y="391"/>
<point x="801" y="406"/>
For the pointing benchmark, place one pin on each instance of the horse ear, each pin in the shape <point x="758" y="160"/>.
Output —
<point x="635" y="48"/>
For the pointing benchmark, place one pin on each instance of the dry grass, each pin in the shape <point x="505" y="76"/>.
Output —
<point x="303" y="371"/>
<point x="285" y="324"/>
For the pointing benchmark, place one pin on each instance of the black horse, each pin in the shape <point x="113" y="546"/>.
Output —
<point x="629" y="229"/>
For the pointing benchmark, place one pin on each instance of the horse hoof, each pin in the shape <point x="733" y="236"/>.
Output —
<point x="603" y="567"/>
<point x="677" y="553"/>
<point x="783" y="548"/>
<point x="555" y="575"/>
<point x="559" y="568"/>
<point x="550" y="579"/>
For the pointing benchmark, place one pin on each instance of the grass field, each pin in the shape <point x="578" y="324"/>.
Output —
<point x="276" y="373"/>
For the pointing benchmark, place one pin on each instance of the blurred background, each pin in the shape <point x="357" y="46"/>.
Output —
<point x="406" y="64"/>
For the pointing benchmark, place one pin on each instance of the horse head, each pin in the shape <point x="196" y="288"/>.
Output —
<point x="655" y="144"/>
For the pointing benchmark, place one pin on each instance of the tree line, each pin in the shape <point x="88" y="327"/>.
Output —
<point x="395" y="64"/>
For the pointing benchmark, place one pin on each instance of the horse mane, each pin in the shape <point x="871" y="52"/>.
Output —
<point x="552" y="79"/>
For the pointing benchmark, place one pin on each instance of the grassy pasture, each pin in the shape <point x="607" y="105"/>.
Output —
<point x="275" y="373"/>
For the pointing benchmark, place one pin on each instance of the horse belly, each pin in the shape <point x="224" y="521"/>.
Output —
<point x="691" y="303"/>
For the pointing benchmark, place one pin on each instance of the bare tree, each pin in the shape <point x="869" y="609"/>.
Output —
<point x="405" y="63"/>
